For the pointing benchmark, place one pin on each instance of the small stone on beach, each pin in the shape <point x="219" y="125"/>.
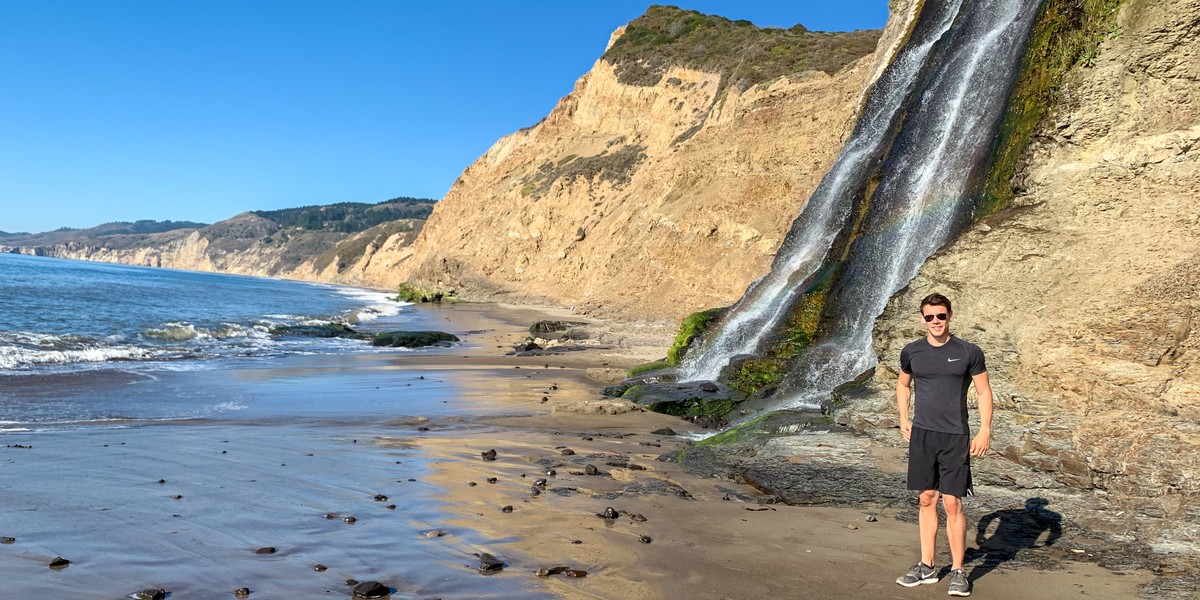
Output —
<point x="489" y="563"/>
<point x="567" y="452"/>
<point x="663" y="431"/>
<point x="507" y="509"/>
<point x="59" y="563"/>
<point x="319" y="567"/>
<point x="380" y="498"/>
<point x="371" y="589"/>
<point x="151" y="594"/>
<point x="350" y="520"/>
<point x="265" y="550"/>
<point x="488" y="454"/>
<point x="242" y="592"/>
<point x="872" y="518"/>
<point x="645" y="539"/>
<point x="492" y="479"/>
<point x="7" y="540"/>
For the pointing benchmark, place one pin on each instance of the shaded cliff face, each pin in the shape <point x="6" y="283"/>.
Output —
<point x="1085" y="293"/>
<point x="647" y="201"/>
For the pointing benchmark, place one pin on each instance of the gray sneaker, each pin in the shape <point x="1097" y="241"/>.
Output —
<point x="959" y="586"/>
<point x="917" y="575"/>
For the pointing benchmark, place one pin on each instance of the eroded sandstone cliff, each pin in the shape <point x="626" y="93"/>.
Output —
<point x="638" y="201"/>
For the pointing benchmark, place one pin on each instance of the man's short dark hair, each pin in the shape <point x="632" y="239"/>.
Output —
<point x="936" y="299"/>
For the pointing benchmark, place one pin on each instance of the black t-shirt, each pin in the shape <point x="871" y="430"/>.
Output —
<point x="942" y="375"/>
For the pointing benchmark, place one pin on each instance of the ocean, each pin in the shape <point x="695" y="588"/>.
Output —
<point x="156" y="433"/>
<point x="86" y="343"/>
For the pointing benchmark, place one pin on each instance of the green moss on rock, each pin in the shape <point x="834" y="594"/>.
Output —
<point x="1067" y="33"/>
<point x="693" y="325"/>
<point x="650" y="366"/>
<point x="414" y="293"/>
<point x="754" y="374"/>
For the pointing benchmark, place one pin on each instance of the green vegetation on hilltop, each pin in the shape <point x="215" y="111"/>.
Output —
<point x="744" y="54"/>
<point x="1067" y="33"/>
<point x="348" y="217"/>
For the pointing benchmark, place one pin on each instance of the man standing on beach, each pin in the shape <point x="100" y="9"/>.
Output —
<point x="939" y="445"/>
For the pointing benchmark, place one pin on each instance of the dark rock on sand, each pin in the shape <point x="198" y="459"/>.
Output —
<point x="580" y="573"/>
<point x="553" y="326"/>
<point x="664" y="431"/>
<point x="609" y="513"/>
<point x="488" y="454"/>
<point x="325" y="330"/>
<point x="412" y="339"/>
<point x="540" y="483"/>
<point x="265" y="550"/>
<point x="492" y="479"/>
<point x="59" y="563"/>
<point x="242" y="592"/>
<point x="489" y="563"/>
<point x="371" y="589"/>
<point x="645" y="539"/>
<point x="507" y="509"/>
<point x="7" y="540"/>
<point x="350" y="520"/>
<point x="591" y="470"/>
<point x="320" y="568"/>
<point x="151" y="594"/>
<point x="546" y="572"/>
<point x="380" y="498"/>
<point x="567" y="452"/>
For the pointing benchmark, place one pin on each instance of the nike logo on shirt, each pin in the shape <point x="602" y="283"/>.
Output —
<point x="952" y="359"/>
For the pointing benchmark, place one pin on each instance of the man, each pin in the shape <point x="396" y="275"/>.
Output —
<point x="939" y="445"/>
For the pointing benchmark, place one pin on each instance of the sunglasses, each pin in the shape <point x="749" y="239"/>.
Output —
<point x="939" y="316"/>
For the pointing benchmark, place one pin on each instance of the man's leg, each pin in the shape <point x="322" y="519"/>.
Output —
<point x="956" y="529"/>
<point x="927" y="518"/>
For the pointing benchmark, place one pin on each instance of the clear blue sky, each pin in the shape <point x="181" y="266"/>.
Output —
<point x="121" y="110"/>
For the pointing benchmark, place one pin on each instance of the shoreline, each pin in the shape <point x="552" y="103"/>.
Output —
<point x="245" y="484"/>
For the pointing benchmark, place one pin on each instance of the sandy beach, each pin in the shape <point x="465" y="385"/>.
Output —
<point x="192" y="506"/>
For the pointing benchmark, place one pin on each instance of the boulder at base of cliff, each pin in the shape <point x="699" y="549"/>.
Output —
<point x="412" y="339"/>
<point x="685" y="399"/>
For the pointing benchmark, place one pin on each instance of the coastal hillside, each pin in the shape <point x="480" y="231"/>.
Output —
<point x="322" y="243"/>
<point x="663" y="184"/>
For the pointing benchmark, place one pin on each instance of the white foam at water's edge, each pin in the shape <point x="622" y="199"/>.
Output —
<point x="379" y="304"/>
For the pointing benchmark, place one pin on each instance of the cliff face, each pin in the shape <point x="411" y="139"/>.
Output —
<point x="1084" y="294"/>
<point x="638" y="201"/>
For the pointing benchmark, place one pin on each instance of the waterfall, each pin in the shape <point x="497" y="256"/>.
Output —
<point x="925" y="134"/>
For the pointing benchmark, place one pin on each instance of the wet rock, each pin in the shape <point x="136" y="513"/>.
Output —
<point x="412" y="339"/>
<point x="535" y="490"/>
<point x="489" y="563"/>
<point x="541" y="327"/>
<point x="507" y="509"/>
<point x="872" y="518"/>
<point x="488" y="454"/>
<point x="265" y="550"/>
<point x="150" y="594"/>
<point x="352" y="581"/>
<point x="639" y="517"/>
<point x="320" y="568"/>
<point x="579" y="573"/>
<point x="371" y="589"/>
<point x="645" y="539"/>
<point x="492" y="479"/>
<point x="709" y="387"/>
<point x="7" y="540"/>
<point x="177" y="497"/>
<point x="59" y="563"/>
<point x="540" y="483"/>
<point x="391" y="507"/>
<point x="380" y="498"/>
<point x="591" y="470"/>
<point x="350" y="520"/>
<point x="633" y="467"/>
<point x="546" y="572"/>
<point x="551" y="472"/>
<point x="434" y="533"/>
<point x="664" y="431"/>
<point x="242" y="593"/>
<point x="162" y="480"/>
<point x="609" y="513"/>
<point x="567" y="452"/>
<point x="331" y="515"/>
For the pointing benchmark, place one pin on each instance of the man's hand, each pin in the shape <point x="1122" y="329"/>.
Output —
<point x="905" y="429"/>
<point x="981" y="443"/>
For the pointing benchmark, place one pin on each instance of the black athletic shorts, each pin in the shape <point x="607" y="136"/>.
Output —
<point x="940" y="461"/>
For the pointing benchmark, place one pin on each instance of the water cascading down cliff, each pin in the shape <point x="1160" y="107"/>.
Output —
<point x="907" y="182"/>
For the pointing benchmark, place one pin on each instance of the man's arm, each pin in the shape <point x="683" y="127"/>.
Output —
<point x="903" y="395"/>
<point x="983" y="440"/>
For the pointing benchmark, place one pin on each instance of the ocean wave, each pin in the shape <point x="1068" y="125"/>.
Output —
<point x="12" y="357"/>
<point x="379" y="304"/>
<point x="183" y="331"/>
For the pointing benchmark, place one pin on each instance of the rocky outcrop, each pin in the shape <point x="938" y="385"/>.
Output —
<point x="1086" y="291"/>
<point x="637" y="201"/>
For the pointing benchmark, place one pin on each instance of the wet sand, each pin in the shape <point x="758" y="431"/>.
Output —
<point x="235" y="485"/>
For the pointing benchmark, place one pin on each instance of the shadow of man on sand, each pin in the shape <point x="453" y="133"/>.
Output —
<point x="1033" y="526"/>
